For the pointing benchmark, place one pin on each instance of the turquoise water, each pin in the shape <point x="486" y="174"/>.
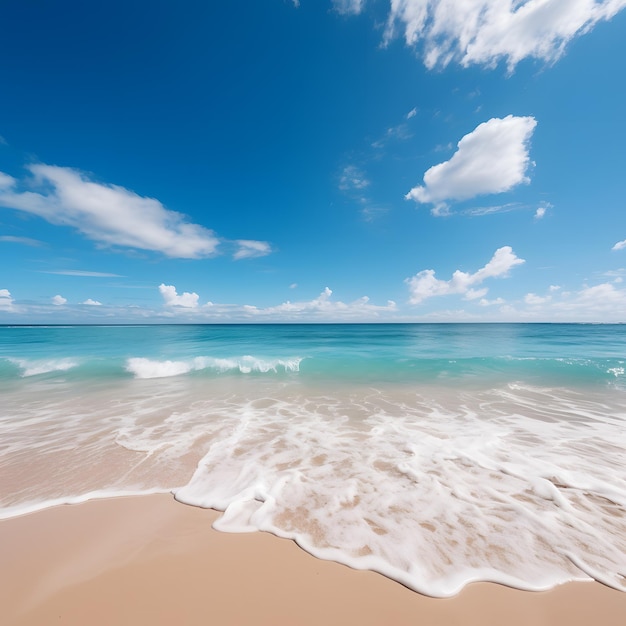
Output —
<point x="436" y="454"/>
<point x="554" y="353"/>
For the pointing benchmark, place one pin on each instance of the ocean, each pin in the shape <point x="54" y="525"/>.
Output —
<point x="435" y="454"/>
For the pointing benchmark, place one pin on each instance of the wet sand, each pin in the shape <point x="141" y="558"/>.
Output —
<point x="150" y="560"/>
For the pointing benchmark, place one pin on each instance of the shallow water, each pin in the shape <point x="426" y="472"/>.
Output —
<point x="435" y="454"/>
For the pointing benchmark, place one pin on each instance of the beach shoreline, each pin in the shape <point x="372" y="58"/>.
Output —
<point x="151" y="560"/>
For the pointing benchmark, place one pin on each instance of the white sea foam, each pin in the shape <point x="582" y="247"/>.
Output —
<point x="26" y="508"/>
<point x="432" y="497"/>
<point x="148" y="368"/>
<point x="432" y="486"/>
<point x="35" y="367"/>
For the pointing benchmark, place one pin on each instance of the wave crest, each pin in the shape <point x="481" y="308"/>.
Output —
<point x="148" y="368"/>
<point x="30" y="367"/>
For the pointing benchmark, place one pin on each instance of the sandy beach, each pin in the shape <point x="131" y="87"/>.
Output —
<point x="151" y="560"/>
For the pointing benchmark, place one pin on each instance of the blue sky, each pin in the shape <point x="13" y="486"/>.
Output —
<point x="356" y="160"/>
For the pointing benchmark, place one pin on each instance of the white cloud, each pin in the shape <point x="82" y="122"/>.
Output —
<point x="493" y="158"/>
<point x="498" y="208"/>
<point x="83" y="273"/>
<point x="540" y="212"/>
<point x="348" y="7"/>
<point x="411" y="113"/>
<point x="353" y="183"/>
<point x="27" y="241"/>
<point x="293" y="285"/>
<point x="91" y="302"/>
<point x="186" y="300"/>
<point x="425" y="285"/>
<point x="352" y="178"/>
<point x="6" y="181"/>
<point x="6" y="301"/>
<point x="483" y="32"/>
<point x="323" y="307"/>
<point x="620" y="245"/>
<point x="534" y="299"/>
<point x="108" y="214"/>
<point x="495" y="302"/>
<point x="248" y="249"/>
<point x="475" y="294"/>
<point x="59" y="300"/>
<point x="400" y="132"/>
<point x="603" y="302"/>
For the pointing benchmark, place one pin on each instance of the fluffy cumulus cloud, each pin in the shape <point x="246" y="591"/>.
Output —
<point x="59" y="300"/>
<point x="91" y="302"/>
<point x="620" y="245"/>
<point x="425" y="285"/>
<point x="6" y="301"/>
<point x="483" y="32"/>
<point x="249" y="249"/>
<point x="108" y="214"/>
<point x="171" y="298"/>
<point x="493" y="158"/>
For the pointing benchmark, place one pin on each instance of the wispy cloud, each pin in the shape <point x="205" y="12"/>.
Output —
<point x="496" y="208"/>
<point x="483" y="32"/>
<point x="620" y="245"/>
<point x="27" y="241"/>
<point x="6" y="181"/>
<point x="353" y="179"/>
<point x="249" y="249"/>
<point x="348" y="7"/>
<point x="400" y="132"/>
<point x="425" y="285"/>
<point x="108" y="214"/>
<point x="493" y="158"/>
<point x="84" y="273"/>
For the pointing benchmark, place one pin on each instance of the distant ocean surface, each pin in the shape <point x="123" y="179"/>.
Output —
<point x="436" y="454"/>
